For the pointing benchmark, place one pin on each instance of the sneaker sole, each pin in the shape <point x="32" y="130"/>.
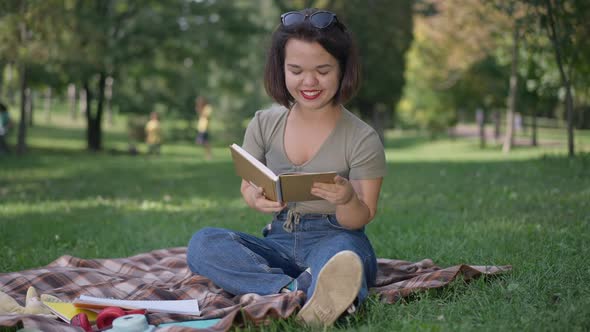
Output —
<point x="337" y="287"/>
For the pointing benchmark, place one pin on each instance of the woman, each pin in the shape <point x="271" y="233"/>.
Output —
<point x="318" y="247"/>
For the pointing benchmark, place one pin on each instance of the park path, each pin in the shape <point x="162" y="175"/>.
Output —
<point x="472" y="131"/>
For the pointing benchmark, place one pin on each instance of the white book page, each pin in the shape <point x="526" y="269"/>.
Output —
<point x="256" y="162"/>
<point x="187" y="307"/>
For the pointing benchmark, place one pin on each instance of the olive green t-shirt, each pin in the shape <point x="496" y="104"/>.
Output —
<point x="353" y="150"/>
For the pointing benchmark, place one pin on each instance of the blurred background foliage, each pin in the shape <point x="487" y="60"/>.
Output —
<point x="427" y="64"/>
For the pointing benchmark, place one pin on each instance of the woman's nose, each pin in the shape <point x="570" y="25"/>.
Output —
<point x="310" y="79"/>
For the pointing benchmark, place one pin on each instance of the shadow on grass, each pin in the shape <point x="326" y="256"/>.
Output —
<point x="37" y="237"/>
<point x="61" y="174"/>
<point x="106" y="172"/>
<point x="72" y="133"/>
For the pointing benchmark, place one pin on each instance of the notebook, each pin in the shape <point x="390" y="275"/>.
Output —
<point x="183" y="307"/>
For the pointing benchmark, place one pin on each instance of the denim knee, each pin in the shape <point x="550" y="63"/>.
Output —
<point x="201" y="245"/>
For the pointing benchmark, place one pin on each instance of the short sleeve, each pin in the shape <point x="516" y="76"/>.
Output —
<point x="253" y="140"/>
<point x="207" y="111"/>
<point x="367" y="158"/>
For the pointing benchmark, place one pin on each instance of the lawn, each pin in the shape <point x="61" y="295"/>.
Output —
<point x="446" y="200"/>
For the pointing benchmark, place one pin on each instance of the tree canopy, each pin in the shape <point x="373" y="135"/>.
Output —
<point x="426" y="63"/>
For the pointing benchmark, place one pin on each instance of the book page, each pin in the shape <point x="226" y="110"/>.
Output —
<point x="255" y="161"/>
<point x="186" y="307"/>
<point x="66" y="311"/>
<point x="252" y="170"/>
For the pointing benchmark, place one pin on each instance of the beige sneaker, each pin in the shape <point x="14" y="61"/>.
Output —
<point x="337" y="287"/>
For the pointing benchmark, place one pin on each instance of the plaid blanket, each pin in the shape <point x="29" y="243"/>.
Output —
<point x="164" y="275"/>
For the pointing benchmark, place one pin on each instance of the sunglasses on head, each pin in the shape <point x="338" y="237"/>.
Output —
<point x="320" y="19"/>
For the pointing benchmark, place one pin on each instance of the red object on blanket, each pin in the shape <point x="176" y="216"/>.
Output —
<point x="107" y="315"/>
<point x="82" y="321"/>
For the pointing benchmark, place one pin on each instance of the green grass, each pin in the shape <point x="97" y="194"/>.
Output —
<point x="447" y="200"/>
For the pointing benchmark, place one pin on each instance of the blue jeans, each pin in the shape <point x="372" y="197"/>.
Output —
<point x="241" y="263"/>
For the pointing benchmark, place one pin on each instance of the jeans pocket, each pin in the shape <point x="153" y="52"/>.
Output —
<point x="333" y="222"/>
<point x="266" y="230"/>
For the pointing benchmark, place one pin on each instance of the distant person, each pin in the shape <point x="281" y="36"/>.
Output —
<point x="5" y="127"/>
<point x="204" y="110"/>
<point x="153" y="134"/>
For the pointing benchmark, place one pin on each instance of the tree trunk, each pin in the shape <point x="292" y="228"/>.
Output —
<point x="10" y="91"/>
<point x="21" y="146"/>
<point x="47" y="104"/>
<point x="569" y="103"/>
<point x="72" y="100"/>
<point x="569" y="106"/>
<point x="379" y="119"/>
<point x="534" y="125"/>
<point x="94" y="131"/>
<point x="82" y="101"/>
<point x="480" y="117"/>
<point x="509" y="135"/>
<point x="91" y="132"/>
<point x="30" y="106"/>
<point x="496" y="117"/>
<point x="375" y="114"/>
<point x="2" y="65"/>
<point x="108" y="94"/>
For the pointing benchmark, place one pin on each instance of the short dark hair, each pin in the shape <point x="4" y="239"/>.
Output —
<point x="335" y="39"/>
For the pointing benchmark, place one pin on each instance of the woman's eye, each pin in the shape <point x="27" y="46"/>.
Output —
<point x="295" y="72"/>
<point x="323" y="72"/>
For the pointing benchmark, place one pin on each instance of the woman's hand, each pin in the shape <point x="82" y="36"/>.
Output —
<point x="255" y="198"/>
<point x="339" y="193"/>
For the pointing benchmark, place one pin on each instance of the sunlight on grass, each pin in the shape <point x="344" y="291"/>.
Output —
<point x="414" y="146"/>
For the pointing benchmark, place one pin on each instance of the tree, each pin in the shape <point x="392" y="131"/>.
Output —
<point x="159" y="56"/>
<point x="449" y="38"/>
<point x="383" y="30"/>
<point x="565" y="21"/>
<point x="25" y="35"/>
<point x="99" y="39"/>
<point x="518" y="16"/>
<point x="513" y="90"/>
<point x="481" y="87"/>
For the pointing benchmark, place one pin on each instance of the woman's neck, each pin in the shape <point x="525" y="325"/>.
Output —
<point x="328" y="112"/>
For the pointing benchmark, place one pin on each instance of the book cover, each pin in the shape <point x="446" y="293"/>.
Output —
<point x="184" y="307"/>
<point x="66" y="311"/>
<point x="288" y="187"/>
<point x="252" y="170"/>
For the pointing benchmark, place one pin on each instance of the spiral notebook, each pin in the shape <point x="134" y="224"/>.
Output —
<point x="183" y="307"/>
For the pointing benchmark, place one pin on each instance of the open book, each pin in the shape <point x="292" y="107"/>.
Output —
<point x="184" y="307"/>
<point x="286" y="187"/>
<point x="66" y="311"/>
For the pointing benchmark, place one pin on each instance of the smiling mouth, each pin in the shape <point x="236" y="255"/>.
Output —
<point x="310" y="94"/>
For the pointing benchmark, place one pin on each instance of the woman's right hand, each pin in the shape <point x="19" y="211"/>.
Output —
<point x="254" y="197"/>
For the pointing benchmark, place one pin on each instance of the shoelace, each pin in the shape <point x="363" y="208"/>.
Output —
<point x="351" y="309"/>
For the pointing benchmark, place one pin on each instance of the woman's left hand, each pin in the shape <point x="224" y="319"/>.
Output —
<point x="339" y="193"/>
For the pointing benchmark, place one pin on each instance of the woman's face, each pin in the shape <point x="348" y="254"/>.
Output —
<point x="312" y="75"/>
